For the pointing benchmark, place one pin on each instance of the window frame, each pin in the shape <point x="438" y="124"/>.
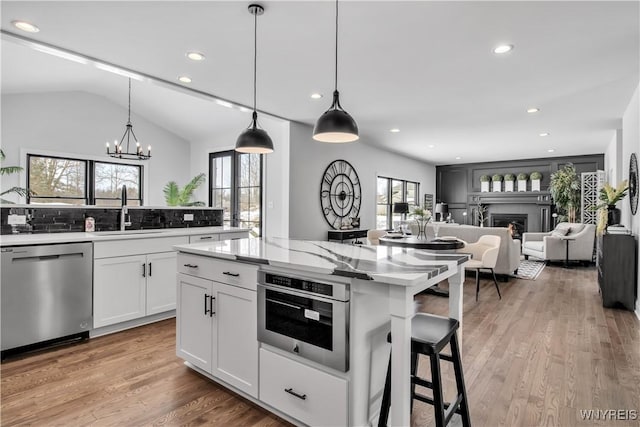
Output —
<point x="235" y="187"/>
<point x="390" y="202"/>
<point x="89" y="181"/>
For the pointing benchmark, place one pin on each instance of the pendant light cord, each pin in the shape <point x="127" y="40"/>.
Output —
<point x="336" y="80"/>
<point x="129" y="118"/>
<point x="255" y="57"/>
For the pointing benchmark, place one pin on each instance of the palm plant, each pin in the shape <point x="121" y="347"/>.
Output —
<point x="175" y="196"/>
<point x="8" y="170"/>
<point x="565" y="191"/>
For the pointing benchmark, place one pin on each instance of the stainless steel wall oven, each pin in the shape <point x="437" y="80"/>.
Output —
<point x="306" y="317"/>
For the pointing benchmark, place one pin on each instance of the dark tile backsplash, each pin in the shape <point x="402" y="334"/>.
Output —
<point x="65" y="220"/>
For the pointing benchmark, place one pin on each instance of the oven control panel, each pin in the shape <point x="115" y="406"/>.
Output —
<point x="299" y="284"/>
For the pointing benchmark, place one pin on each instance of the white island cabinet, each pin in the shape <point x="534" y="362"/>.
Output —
<point x="217" y="323"/>
<point x="216" y="319"/>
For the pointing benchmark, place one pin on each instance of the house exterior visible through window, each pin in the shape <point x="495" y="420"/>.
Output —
<point x="390" y="191"/>
<point x="235" y="185"/>
<point x="63" y="180"/>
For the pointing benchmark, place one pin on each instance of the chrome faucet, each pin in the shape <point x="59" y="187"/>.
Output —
<point x="125" y="220"/>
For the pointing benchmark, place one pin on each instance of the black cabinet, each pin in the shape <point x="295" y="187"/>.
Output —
<point x="617" y="270"/>
<point x="342" y="235"/>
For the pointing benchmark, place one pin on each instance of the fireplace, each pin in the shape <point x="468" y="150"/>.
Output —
<point x="519" y="222"/>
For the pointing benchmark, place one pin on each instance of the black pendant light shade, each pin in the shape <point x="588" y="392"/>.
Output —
<point x="336" y="125"/>
<point x="254" y="140"/>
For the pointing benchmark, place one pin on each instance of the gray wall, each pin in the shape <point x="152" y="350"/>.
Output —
<point x="310" y="158"/>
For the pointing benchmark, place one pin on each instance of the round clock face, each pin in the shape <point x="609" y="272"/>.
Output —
<point x="633" y="183"/>
<point x="340" y="194"/>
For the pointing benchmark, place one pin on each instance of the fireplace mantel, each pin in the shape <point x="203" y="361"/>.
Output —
<point x="519" y="197"/>
<point x="536" y="205"/>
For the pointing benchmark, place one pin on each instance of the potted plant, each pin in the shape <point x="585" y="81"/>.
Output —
<point x="535" y="181"/>
<point x="176" y="196"/>
<point x="8" y="170"/>
<point x="497" y="182"/>
<point x="509" y="180"/>
<point x="565" y="191"/>
<point x="522" y="181"/>
<point x="484" y="183"/>
<point x="609" y="196"/>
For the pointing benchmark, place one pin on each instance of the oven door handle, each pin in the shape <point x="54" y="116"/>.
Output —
<point x="286" y="304"/>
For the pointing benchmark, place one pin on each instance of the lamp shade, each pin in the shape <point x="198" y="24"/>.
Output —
<point x="442" y="209"/>
<point x="336" y="125"/>
<point x="401" y="208"/>
<point x="254" y="140"/>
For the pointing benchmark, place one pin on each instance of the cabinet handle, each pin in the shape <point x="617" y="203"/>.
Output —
<point x="144" y="270"/>
<point x="212" y="311"/>
<point x="149" y="269"/>
<point x="228" y="273"/>
<point x="191" y="265"/>
<point x="298" y="395"/>
<point x="206" y="310"/>
<point x="206" y="238"/>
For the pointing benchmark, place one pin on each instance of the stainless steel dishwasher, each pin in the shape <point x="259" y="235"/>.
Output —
<point x="46" y="295"/>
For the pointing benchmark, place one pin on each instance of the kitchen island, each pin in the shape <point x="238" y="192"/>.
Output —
<point x="380" y="281"/>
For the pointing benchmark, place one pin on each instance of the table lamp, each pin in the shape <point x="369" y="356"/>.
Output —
<point x="401" y="208"/>
<point x="442" y="210"/>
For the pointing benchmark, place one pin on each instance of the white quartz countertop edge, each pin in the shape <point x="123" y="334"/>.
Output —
<point x="45" y="238"/>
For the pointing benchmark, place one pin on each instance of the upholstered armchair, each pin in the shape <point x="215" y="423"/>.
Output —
<point x="553" y="245"/>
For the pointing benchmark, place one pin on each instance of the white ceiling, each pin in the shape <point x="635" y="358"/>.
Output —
<point x="424" y="67"/>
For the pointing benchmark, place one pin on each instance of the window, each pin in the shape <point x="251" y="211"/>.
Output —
<point x="235" y="185"/>
<point x="390" y="191"/>
<point x="82" y="182"/>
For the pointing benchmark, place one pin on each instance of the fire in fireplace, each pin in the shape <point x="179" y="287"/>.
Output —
<point x="518" y="221"/>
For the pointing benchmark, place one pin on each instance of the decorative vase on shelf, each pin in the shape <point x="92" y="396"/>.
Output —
<point x="485" y="182"/>
<point x="497" y="183"/>
<point x="613" y="215"/>
<point x="535" y="181"/>
<point x="522" y="181"/>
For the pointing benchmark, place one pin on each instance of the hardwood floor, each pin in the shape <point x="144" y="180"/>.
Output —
<point x="540" y="355"/>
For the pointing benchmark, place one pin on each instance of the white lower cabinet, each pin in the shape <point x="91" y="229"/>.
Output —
<point x="161" y="282"/>
<point x="217" y="329"/>
<point x="314" y="397"/>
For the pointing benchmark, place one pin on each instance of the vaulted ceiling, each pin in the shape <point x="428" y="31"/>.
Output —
<point x="424" y="67"/>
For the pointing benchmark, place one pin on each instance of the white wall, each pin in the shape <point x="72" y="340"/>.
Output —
<point x="310" y="158"/>
<point x="276" y="173"/>
<point x="613" y="158"/>
<point x="631" y="144"/>
<point x="80" y="123"/>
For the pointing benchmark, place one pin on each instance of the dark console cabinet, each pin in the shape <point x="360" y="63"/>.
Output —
<point x="617" y="270"/>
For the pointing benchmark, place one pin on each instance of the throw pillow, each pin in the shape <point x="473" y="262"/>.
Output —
<point x="561" y="231"/>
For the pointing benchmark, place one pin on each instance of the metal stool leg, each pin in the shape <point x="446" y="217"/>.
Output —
<point x="496" y="283"/>
<point x="477" y="282"/>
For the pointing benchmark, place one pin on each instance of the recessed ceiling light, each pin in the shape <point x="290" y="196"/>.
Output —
<point x="316" y="95"/>
<point x="545" y="134"/>
<point x="394" y="130"/>
<point x="430" y="146"/>
<point x="503" y="48"/>
<point x="533" y="110"/>
<point x="245" y="109"/>
<point x="458" y="157"/>
<point x="551" y="150"/>
<point x="195" y="56"/>
<point x="25" y="26"/>
<point x="224" y="103"/>
<point x="185" y="79"/>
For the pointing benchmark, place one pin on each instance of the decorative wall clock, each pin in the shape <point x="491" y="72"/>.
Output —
<point x="633" y="183"/>
<point x="340" y="193"/>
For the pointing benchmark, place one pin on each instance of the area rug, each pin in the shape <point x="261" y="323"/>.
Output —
<point x="530" y="269"/>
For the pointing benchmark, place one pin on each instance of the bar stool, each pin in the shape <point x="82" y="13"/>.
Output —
<point x="429" y="335"/>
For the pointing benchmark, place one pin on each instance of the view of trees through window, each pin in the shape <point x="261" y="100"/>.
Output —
<point x="236" y="186"/>
<point x="82" y="182"/>
<point x="390" y="191"/>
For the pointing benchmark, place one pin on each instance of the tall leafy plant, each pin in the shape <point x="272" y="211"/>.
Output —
<point x="8" y="170"/>
<point x="176" y="196"/>
<point x="565" y="191"/>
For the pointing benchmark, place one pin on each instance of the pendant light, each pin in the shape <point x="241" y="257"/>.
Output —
<point x="336" y="125"/>
<point x="124" y="153"/>
<point x="254" y="140"/>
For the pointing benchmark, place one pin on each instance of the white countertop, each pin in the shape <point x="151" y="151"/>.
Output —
<point x="44" y="238"/>
<point x="385" y="264"/>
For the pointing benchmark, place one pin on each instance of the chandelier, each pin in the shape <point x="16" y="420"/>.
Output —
<point x="122" y="150"/>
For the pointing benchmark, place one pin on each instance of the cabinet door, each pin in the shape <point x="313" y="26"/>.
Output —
<point x="161" y="282"/>
<point x="235" y="349"/>
<point x="193" y="321"/>
<point x="119" y="291"/>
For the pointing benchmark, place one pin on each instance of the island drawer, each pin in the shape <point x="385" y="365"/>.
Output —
<point x="198" y="238"/>
<point x="223" y="271"/>
<point x="307" y="394"/>
<point x="235" y="235"/>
